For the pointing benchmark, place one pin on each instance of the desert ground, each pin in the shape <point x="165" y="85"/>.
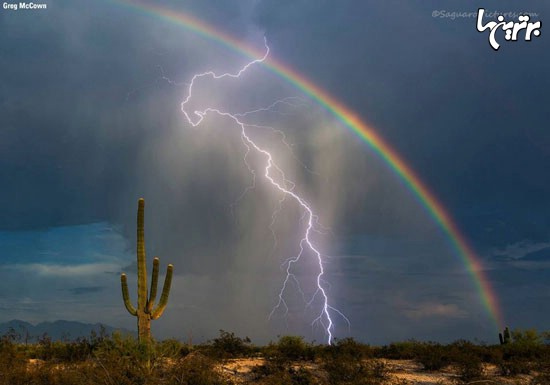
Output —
<point x="400" y="372"/>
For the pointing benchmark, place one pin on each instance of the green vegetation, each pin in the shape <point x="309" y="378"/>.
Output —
<point x="146" y="310"/>
<point x="350" y="362"/>
<point x="227" y="345"/>
<point x="120" y="359"/>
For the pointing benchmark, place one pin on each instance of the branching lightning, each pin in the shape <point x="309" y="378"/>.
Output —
<point x="276" y="177"/>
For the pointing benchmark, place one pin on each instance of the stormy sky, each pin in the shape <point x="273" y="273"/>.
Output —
<point x="90" y="121"/>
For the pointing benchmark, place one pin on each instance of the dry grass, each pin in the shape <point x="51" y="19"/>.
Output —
<point x="229" y="360"/>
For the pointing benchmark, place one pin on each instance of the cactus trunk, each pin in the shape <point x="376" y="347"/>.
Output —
<point x="146" y="310"/>
<point x="505" y="337"/>
<point x="144" y="326"/>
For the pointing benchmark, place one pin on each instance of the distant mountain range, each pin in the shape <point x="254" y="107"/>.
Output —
<point x="58" y="330"/>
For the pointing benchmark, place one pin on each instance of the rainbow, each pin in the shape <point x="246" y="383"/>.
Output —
<point x="351" y="120"/>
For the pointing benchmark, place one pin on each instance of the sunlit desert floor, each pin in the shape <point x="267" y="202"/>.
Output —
<point x="401" y="372"/>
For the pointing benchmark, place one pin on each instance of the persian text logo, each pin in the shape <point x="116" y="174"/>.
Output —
<point x="511" y="28"/>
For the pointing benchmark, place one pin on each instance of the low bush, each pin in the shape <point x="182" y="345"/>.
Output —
<point x="122" y="360"/>
<point x="289" y="348"/>
<point x="48" y="350"/>
<point x="348" y="347"/>
<point x="227" y="345"/>
<point x="355" y="372"/>
<point x="469" y="367"/>
<point x="12" y="363"/>
<point x="432" y="356"/>
<point x="514" y="366"/>
<point x="541" y="379"/>
<point x="406" y="350"/>
<point x="193" y="369"/>
<point x="172" y="348"/>
<point x="274" y="373"/>
<point x="350" y="362"/>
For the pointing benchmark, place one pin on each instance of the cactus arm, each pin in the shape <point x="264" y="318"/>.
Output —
<point x="142" y="268"/>
<point x="154" y="284"/>
<point x="506" y="335"/>
<point x="126" y="296"/>
<point x="165" y="292"/>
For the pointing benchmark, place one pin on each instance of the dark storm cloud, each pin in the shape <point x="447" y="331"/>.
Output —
<point x="58" y="75"/>
<point x="469" y="120"/>
<point x="539" y="255"/>
<point x="86" y="290"/>
<point x="73" y="107"/>
<point x="90" y="127"/>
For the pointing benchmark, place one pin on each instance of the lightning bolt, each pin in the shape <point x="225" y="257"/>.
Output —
<point x="276" y="177"/>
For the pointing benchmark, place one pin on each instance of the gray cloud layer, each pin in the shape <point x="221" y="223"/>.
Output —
<point x="89" y="125"/>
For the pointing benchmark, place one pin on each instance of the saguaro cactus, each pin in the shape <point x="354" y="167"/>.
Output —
<point x="504" y="337"/>
<point x="146" y="310"/>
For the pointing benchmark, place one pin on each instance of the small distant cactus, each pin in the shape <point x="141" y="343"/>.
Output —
<point x="146" y="310"/>
<point x="504" y="337"/>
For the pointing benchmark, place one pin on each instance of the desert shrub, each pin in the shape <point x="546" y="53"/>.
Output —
<point x="49" y="373"/>
<point x="7" y="347"/>
<point x="405" y="350"/>
<point x="527" y="337"/>
<point x="275" y="373"/>
<point x="460" y="347"/>
<point x="194" y="369"/>
<point x="15" y="376"/>
<point x="44" y="349"/>
<point x="118" y="360"/>
<point x="290" y="348"/>
<point x="346" y="362"/>
<point x="48" y="350"/>
<point x="12" y="363"/>
<point x="282" y="363"/>
<point x="348" y="347"/>
<point x="269" y="368"/>
<point x="543" y="364"/>
<point x="79" y="350"/>
<point x="302" y="376"/>
<point x="122" y="360"/>
<point x="467" y="358"/>
<point x="345" y="371"/>
<point x="524" y="355"/>
<point x="469" y="367"/>
<point x="227" y="345"/>
<point x="432" y="356"/>
<point x="171" y="348"/>
<point x="524" y="351"/>
<point x="541" y="379"/>
<point x="514" y="366"/>
<point x="491" y="354"/>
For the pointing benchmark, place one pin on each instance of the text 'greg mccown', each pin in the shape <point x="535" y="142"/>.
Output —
<point x="23" y="5"/>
